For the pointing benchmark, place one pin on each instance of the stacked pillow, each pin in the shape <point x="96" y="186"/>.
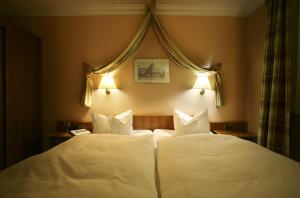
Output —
<point x="185" y="124"/>
<point x="119" y="124"/>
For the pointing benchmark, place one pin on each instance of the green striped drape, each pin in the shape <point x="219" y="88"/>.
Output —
<point x="273" y="130"/>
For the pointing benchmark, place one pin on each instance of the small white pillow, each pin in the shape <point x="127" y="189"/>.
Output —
<point x="185" y="124"/>
<point x="122" y="123"/>
<point x="101" y="123"/>
<point x="119" y="124"/>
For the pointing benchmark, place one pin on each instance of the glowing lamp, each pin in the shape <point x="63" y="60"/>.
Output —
<point x="107" y="83"/>
<point x="205" y="81"/>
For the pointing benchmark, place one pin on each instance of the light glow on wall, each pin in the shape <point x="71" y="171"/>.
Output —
<point x="107" y="83"/>
<point x="205" y="81"/>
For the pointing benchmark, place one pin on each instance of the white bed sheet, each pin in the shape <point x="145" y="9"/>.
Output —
<point x="224" y="166"/>
<point x="140" y="132"/>
<point x="164" y="132"/>
<point x="160" y="134"/>
<point x="96" y="165"/>
<point x="168" y="132"/>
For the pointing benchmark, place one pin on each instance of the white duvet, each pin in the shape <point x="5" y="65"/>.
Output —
<point x="196" y="166"/>
<point x="105" y="166"/>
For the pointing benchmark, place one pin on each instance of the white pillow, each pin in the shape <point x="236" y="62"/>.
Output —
<point x="185" y="124"/>
<point x="122" y="123"/>
<point x="119" y="124"/>
<point x="101" y="123"/>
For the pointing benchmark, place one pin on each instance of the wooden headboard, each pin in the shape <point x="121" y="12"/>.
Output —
<point x="159" y="122"/>
<point x="153" y="122"/>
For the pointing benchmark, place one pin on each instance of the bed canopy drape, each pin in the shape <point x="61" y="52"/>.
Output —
<point x="168" y="45"/>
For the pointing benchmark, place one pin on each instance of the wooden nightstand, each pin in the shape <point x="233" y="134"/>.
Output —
<point x="241" y="134"/>
<point x="58" y="137"/>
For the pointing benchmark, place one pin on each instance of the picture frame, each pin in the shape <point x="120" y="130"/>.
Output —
<point x="151" y="71"/>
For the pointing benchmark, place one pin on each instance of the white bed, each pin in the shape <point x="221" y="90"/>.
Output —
<point x="196" y="165"/>
<point x="204" y="165"/>
<point x="86" y="166"/>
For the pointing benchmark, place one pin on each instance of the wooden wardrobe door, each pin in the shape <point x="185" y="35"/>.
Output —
<point x="23" y="97"/>
<point x="2" y="137"/>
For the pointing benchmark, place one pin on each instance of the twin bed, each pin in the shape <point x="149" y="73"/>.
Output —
<point x="195" y="165"/>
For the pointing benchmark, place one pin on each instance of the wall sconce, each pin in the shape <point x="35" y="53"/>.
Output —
<point x="107" y="83"/>
<point x="205" y="81"/>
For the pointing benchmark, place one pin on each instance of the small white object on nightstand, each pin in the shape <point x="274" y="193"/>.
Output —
<point x="80" y="132"/>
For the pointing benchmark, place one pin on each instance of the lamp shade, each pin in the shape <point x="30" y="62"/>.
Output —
<point x="107" y="82"/>
<point x="205" y="81"/>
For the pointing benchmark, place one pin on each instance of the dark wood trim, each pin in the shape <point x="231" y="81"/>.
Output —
<point x="58" y="137"/>
<point x="241" y="134"/>
<point x="229" y="125"/>
<point x="60" y="134"/>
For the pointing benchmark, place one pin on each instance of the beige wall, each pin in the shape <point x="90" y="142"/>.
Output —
<point x="255" y="39"/>
<point x="68" y="41"/>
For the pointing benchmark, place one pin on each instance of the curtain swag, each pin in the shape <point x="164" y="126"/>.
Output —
<point x="167" y="44"/>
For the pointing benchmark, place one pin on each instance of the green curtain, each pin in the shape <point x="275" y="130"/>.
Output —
<point x="171" y="49"/>
<point x="273" y="130"/>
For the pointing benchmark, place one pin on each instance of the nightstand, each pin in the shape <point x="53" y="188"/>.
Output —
<point x="241" y="134"/>
<point x="58" y="137"/>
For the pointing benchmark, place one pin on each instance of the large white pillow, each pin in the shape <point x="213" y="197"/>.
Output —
<point x="185" y="124"/>
<point x="119" y="124"/>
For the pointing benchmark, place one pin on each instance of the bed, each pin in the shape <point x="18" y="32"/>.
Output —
<point x="196" y="165"/>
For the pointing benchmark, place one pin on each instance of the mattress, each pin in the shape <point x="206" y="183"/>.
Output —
<point x="224" y="166"/>
<point x="96" y="165"/>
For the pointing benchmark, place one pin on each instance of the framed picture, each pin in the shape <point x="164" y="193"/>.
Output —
<point x="151" y="71"/>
